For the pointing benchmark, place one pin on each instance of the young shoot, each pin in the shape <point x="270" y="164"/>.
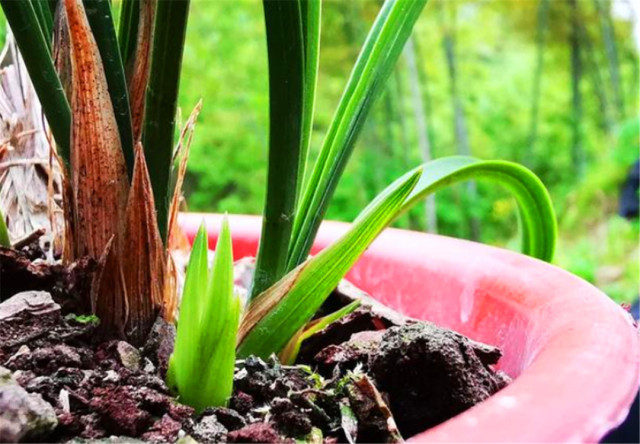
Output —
<point x="203" y="361"/>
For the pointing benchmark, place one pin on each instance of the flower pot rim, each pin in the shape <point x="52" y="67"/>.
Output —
<point x="576" y="352"/>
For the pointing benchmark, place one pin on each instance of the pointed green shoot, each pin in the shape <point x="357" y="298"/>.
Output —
<point x="274" y="316"/>
<point x="4" y="233"/>
<point x="219" y="328"/>
<point x="283" y="22"/>
<point x="377" y="58"/>
<point x="203" y="362"/>
<point x="184" y="352"/>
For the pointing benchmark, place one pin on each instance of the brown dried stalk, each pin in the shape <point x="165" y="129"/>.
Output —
<point x="98" y="175"/>
<point x="144" y="258"/>
<point x="138" y="72"/>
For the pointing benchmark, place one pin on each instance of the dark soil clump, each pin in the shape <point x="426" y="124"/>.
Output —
<point x="372" y="376"/>
<point x="432" y="374"/>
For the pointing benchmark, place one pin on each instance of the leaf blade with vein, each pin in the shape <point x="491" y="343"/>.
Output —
<point x="273" y="317"/>
<point x="162" y="99"/>
<point x="378" y="56"/>
<point x="286" y="102"/>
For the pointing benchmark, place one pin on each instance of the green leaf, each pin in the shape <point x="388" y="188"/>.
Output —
<point x="5" y="241"/>
<point x="162" y="100"/>
<point x="128" y="29"/>
<point x="290" y="352"/>
<point x="45" y="19"/>
<point x="310" y="11"/>
<point x="286" y="98"/>
<point x="538" y="221"/>
<point x="274" y="316"/>
<point x="202" y="365"/>
<point x="33" y="46"/>
<point x="381" y="50"/>
<point x="219" y="325"/>
<point x="185" y="353"/>
<point x="103" y="29"/>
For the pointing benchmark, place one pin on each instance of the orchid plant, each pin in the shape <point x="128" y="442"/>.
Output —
<point x="109" y="95"/>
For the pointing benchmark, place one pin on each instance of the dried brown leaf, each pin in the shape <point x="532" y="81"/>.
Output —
<point x="108" y="296"/>
<point x="266" y="301"/>
<point x="138" y="72"/>
<point x="99" y="176"/>
<point x="144" y="258"/>
<point x="177" y="238"/>
<point x="170" y="300"/>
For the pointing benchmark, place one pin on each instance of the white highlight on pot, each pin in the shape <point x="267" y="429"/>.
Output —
<point x="507" y="401"/>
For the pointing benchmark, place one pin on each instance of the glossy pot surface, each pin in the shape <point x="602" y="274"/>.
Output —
<point x="574" y="354"/>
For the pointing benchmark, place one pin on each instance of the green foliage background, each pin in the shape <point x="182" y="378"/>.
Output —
<point x="496" y="56"/>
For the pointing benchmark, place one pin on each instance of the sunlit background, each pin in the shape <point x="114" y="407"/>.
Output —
<point x="553" y="84"/>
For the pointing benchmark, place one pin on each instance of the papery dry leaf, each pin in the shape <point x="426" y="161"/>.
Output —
<point x="30" y="175"/>
<point x="108" y="296"/>
<point x="144" y="258"/>
<point x="138" y="72"/>
<point x="99" y="175"/>
<point x="170" y="300"/>
<point x="177" y="238"/>
<point x="267" y="300"/>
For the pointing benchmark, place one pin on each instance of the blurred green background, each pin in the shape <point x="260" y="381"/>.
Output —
<point x="549" y="83"/>
<point x="553" y="84"/>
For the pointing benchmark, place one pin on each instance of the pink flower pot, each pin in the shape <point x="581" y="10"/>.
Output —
<point x="573" y="353"/>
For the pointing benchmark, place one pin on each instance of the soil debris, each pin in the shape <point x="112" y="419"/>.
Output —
<point x="352" y="379"/>
<point x="431" y="374"/>
<point x="68" y="284"/>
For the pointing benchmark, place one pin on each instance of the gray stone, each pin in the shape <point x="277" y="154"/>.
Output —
<point x="209" y="430"/>
<point x="23" y="416"/>
<point x="35" y="302"/>
<point x="129" y="355"/>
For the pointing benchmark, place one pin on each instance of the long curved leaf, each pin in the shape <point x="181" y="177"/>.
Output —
<point x="310" y="11"/>
<point x="379" y="54"/>
<point x="162" y="100"/>
<point x="274" y="316"/>
<point x="286" y="99"/>
<point x="538" y="221"/>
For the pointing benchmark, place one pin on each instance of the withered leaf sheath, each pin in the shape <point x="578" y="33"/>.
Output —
<point x="138" y="71"/>
<point x="143" y="258"/>
<point x="108" y="296"/>
<point x="98" y="171"/>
